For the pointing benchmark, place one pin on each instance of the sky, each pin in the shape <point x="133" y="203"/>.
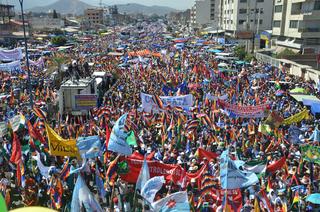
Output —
<point x="177" y="4"/>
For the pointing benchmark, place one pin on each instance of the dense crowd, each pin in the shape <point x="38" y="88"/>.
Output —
<point x="190" y="138"/>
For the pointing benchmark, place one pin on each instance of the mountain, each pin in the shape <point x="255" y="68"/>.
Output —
<point x="64" y="6"/>
<point x="147" y="10"/>
<point x="77" y="7"/>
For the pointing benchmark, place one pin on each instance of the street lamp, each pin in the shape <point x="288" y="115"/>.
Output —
<point x="27" y="56"/>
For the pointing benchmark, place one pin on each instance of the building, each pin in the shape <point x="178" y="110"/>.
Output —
<point x="205" y="13"/>
<point x="94" y="16"/>
<point x="296" y="24"/>
<point x="46" y="23"/>
<point x="6" y="15"/>
<point x="244" y="18"/>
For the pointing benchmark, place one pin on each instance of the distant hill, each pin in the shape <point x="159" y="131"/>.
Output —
<point x="147" y="10"/>
<point x="76" y="7"/>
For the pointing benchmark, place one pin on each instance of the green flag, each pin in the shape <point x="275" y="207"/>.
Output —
<point x="131" y="139"/>
<point x="3" y="206"/>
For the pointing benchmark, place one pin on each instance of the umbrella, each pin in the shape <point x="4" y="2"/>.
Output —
<point x="298" y="90"/>
<point x="314" y="198"/>
<point x="279" y="92"/>
<point x="33" y="209"/>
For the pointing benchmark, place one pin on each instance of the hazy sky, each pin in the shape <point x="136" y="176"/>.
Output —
<point x="177" y="4"/>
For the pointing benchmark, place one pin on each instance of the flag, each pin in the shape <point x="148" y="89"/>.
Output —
<point x="35" y="134"/>
<point x="16" y="150"/>
<point x="311" y="153"/>
<point x="144" y="175"/>
<point x="59" y="146"/>
<point x="297" y="117"/>
<point x="315" y="137"/>
<point x="3" y="205"/>
<point x="117" y="142"/>
<point x="295" y="198"/>
<point x="274" y="120"/>
<point x="151" y="187"/>
<point x="17" y="122"/>
<point x="263" y="197"/>
<point x="269" y="186"/>
<point x="276" y="165"/>
<point x="89" y="147"/>
<point x="255" y="166"/>
<point x="131" y="139"/>
<point x="99" y="184"/>
<point x="112" y="171"/>
<point x="256" y="205"/>
<point x="40" y="113"/>
<point x="65" y="172"/>
<point x="201" y="153"/>
<point x="231" y="177"/>
<point x="156" y="99"/>
<point x="82" y="198"/>
<point x="175" y="202"/>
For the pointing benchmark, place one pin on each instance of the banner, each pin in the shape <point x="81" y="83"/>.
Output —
<point x="13" y="67"/>
<point x="210" y="97"/>
<point x="59" y="146"/>
<point x="297" y="117"/>
<point x="85" y="102"/>
<point x="39" y="63"/>
<point x="170" y="172"/>
<point x="3" y="129"/>
<point x="311" y="153"/>
<point x="11" y="55"/>
<point x="258" y="111"/>
<point x="148" y="104"/>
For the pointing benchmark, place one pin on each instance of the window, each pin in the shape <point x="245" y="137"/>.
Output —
<point x="276" y="24"/>
<point x="316" y="5"/>
<point x="242" y="22"/>
<point x="278" y="9"/>
<point x="293" y="24"/>
<point x="242" y="11"/>
<point x="243" y="1"/>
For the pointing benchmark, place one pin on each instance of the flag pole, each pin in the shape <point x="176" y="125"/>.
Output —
<point x="112" y="203"/>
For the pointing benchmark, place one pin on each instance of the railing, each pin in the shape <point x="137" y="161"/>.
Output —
<point x="267" y="59"/>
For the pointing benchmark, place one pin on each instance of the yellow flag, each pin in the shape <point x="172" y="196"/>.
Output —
<point x="59" y="146"/>
<point x="297" y="117"/>
<point x="256" y="205"/>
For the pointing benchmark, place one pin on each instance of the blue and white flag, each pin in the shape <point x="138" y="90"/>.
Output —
<point x="176" y="202"/>
<point x="118" y="137"/>
<point x="151" y="187"/>
<point x="82" y="198"/>
<point x="315" y="137"/>
<point x="89" y="147"/>
<point x="144" y="175"/>
<point x="231" y="177"/>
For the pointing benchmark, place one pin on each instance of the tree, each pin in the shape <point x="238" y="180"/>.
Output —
<point x="285" y="53"/>
<point x="59" y="40"/>
<point x="240" y="51"/>
<point x="55" y="15"/>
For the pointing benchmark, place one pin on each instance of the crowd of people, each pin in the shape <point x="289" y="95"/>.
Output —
<point x="242" y="108"/>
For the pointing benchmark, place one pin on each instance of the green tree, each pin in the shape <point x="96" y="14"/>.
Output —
<point x="240" y="52"/>
<point x="285" y="53"/>
<point x="59" y="40"/>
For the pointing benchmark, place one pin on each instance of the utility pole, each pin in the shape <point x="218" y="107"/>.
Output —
<point x="253" y="32"/>
<point x="248" y="24"/>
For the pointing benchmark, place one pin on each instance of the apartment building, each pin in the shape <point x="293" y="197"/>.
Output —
<point x="243" y="18"/>
<point x="94" y="16"/>
<point x="205" y="13"/>
<point x="296" y="24"/>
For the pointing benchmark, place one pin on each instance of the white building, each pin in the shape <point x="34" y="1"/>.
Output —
<point x="46" y="23"/>
<point x="241" y="18"/>
<point x="296" y="24"/>
<point x="205" y="13"/>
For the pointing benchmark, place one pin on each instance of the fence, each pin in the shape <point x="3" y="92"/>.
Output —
<point x="267" y="59"/>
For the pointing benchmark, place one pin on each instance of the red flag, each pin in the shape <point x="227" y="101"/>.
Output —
<point x="16" y="150"/>
<point x="276" y="165"/>
<point x="35" y="134"/>
<point x="206" y="154"/>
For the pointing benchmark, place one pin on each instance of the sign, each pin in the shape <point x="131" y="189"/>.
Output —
<point x="13" y="67"/>
<point x="258" y="111"/>
<point x="244" y="35"/>
<point x="85" y="102"/>
<point x="148" y="104"/>
<point x="3" y="129"/>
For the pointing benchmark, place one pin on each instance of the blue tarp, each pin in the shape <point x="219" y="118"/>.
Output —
<point x="314" y="104"/>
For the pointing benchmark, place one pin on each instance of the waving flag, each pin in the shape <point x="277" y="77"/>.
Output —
<point x="117" y="142"/>
<point x="16" y="150"/>
<point x="231" y="177"/>
<point x="112" y="171"/>
<point x="175" y="202"/>
<point x="276" y="165"/>
<point x="144" y="175"/>
<point x="89" y="147"/>
<point x="151" y="187"/>
<point x="83" y="199"/>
